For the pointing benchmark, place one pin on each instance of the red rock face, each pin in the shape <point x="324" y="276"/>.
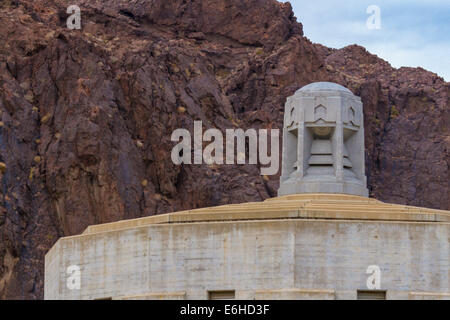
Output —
<point x="87" y="115"/>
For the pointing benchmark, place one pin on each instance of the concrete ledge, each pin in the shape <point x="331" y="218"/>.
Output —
<point x="429" y="295"/>
<point x="301" y="206"/>
<point x="295" y="294"/>
<point x="181" y="295"/>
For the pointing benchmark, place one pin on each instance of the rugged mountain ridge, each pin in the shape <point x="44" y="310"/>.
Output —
<point x="87" y="115"/>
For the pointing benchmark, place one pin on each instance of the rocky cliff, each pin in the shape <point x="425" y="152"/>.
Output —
<point x="87" y="115"/>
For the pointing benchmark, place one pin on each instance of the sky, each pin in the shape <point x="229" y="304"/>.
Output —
<point x="412" y="33"/>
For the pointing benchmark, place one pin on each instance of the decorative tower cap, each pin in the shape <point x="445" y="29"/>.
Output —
<point x="323" y="142"/>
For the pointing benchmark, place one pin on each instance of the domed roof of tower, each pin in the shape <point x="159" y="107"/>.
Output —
<point x="324" y="86"/>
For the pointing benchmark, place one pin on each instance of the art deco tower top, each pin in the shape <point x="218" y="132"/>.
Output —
<point x="323" y="142"/>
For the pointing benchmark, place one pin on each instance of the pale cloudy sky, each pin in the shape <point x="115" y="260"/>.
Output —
<point x="413" y="32"/>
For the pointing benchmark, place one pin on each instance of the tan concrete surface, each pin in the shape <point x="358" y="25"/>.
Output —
<point x="309" y="206"/>
<point x="293" y="247"/>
